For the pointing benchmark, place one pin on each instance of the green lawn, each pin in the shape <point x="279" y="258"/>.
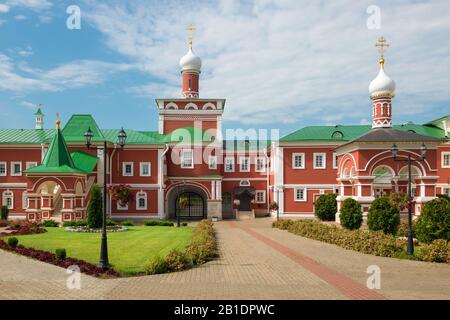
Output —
<point x="129" y="251"/>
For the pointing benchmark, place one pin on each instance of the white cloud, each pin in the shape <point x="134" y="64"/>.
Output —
<point x="32" y="4"/>
<point x="20" y="17"/>
<point x="25" y="52"/>
<point x="28" y="104"/>
<point x="284" y="61"/>
<point x="45" y="19"/>
<point x="72" y="75"/>
<point x="4" y="8"/>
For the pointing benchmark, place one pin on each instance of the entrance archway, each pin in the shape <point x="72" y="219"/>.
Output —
<point x="187" y="201"/>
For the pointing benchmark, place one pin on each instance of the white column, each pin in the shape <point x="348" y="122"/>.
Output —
<point x="213" y="189"/>
<point x="219" y="190"/>
<point x="161" y="203"/>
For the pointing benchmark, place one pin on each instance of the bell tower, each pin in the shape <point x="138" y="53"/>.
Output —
<point x="190" y="65"/>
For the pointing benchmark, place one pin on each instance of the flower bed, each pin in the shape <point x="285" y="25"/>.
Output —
<point x="91" y="230"/>
<point x="48" y="257"/>
<point x="370" y="242"/>
<point x="22" y="228"/>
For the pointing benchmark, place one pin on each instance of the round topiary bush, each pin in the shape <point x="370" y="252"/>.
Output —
<point x="13" y="242"/>
<point x="434" y="221"/>
<point x="351" y="214"/>
<point x="326" y="207"/>
<point x="60" y="253"/>
<point x="383" y="216"/>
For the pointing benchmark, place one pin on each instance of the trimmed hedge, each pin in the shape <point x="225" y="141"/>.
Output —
<point x="13" y="242"/>
<point x="326" y="207"/>
<point x="373" y="242"/>
<point x="128" y="223"/>
<point x="200" y="249"/>
<point x="61" y="254"/>
<point x="383" y="216"/>
<point x="436" y="251"/>
<point x="50" y="224"/>
<point x="434" y="221"/>
<point x="351" y="215"/>
<point x="159" y="223"/>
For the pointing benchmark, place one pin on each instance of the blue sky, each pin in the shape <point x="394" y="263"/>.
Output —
<point x="280" y="64"/>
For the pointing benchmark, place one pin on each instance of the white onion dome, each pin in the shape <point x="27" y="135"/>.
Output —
<point x="190" y="61"/>
<point x="382" y="84"/>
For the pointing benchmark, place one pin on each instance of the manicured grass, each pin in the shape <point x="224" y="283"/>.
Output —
<point x="129" y="251"/>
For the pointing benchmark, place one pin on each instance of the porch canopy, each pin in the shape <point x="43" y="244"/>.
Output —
<point x="238" y="191"/>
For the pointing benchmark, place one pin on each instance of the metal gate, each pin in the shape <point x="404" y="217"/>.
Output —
<point x="190" y="205"/>
<point x="227" y="206"/>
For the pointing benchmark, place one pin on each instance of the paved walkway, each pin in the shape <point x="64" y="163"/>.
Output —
<point x="256" y="262"/>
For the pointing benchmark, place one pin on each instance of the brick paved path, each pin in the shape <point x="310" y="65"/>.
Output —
<point x="256" y="262"/>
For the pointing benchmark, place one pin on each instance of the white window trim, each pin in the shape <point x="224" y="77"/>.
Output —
<point x="305" y="195"/>
<point x="13" y="163"/>
<point x="141" y="171"/>
<point x="6" y="169"/>
<point x="124" y="173"/>
<point x="263" y="169"/>
<point x="141" y="195"/>
<point x="443" y="154"/>
<point x="210" y="166"/>
<point x="30" y="164"/>
<point x="24" y="200"/>
<point x="335" y="157"/>
<point x="226" y="163"/>
<point x="240" y="164"/>
<point x="183" y="166"/>
<point x="302" y="154"/>
<point x="263" y="192"/>
<point x="324" y="155"/>
<point x="4" y="197"/>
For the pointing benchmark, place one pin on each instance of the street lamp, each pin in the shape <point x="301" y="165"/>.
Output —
<point x="104" y="263"/>
<point x="409" y="160"/>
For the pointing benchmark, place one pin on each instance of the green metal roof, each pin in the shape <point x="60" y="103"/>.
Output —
<point x="188" y="134"/>
<point x="38" y="112"/>
<point x="245" y="145"/>
<point x="77" y="125"/>
<point x="25" y="136"/>
<point x="346" y="133"/>
<point x="57" y="159"/>
<point x="84" y="161"/>
<point x="134" y="137"/>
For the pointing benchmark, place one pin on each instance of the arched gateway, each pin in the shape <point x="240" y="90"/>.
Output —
<point x="188" y="202"/>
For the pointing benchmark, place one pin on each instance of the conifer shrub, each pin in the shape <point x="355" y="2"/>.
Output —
<point x="95" y="209"/>
<point x="434" y="221"/>
<point x="326" y="207"/>
<point x="351" y="215"/>
<point x="383" y="216"/>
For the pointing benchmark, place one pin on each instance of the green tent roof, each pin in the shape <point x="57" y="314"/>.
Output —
<point x="77" y="125"/>
<point x="57" y="159"/>
<point x="84" y="161"/>
<point x="38" y="112"/>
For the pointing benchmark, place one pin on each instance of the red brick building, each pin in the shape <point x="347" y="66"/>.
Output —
<point x="186" y="168"/>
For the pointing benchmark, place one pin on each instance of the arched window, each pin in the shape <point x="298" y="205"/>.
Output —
<point x="141" y="201"/>
<point x="383" y="175"/>
<point x="337" y="135"/>
<point x="345" y="174"/>
<point x="403" y="173"/>
<point x="8" y="199"/>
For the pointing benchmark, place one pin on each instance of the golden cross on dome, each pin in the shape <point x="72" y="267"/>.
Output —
<point x="190" y="29"/>
<point x="382" y="44"/>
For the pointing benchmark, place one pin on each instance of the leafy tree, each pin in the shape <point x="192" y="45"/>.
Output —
<point x="383" y="215"/>
<point x="95" y="210"/>
<point x="326" y="207"/>
<point x="434" y="221"/>
<point x="351" y="215"/>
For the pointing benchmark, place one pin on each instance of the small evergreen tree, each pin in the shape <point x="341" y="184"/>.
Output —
<point x="95" y="210"/>
<point x="383" y="215"/>
<point x="4" y="213"/>
<point x="351" y="214"/>
<point x="326" y="207"/>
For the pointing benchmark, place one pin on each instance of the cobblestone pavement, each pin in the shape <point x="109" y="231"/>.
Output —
<point x="256" y="262"/>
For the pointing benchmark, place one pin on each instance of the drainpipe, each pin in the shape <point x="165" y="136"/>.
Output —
<point x="161" y="174"/>
<point x="267" y="178"/>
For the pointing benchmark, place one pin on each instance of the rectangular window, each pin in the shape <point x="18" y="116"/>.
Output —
<point x="260" y="196"/>
<point x="260" y="164"/>
<point x="320" y="160"/>
<point x="16" y="168"/>
<point x="2" y="169"/>
<point x="445" y="160"/>
<point x="446" y="191"/>
<point x="145" y="169"/>
<point x="30" y="164"/>
<point x="212" y="162"/>
<point x="229" y="164"/>
<point x="298" y="161"/>
<point x="187" y="158"/>
<point x="335" y="161"/>
<point x="244" y="164"/>
<point x="300" y="194"/>
<point x="127" y="169"/>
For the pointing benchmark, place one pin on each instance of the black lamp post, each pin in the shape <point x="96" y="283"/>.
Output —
<point x="409" y="160"/>
<point x="104" y="263"/>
